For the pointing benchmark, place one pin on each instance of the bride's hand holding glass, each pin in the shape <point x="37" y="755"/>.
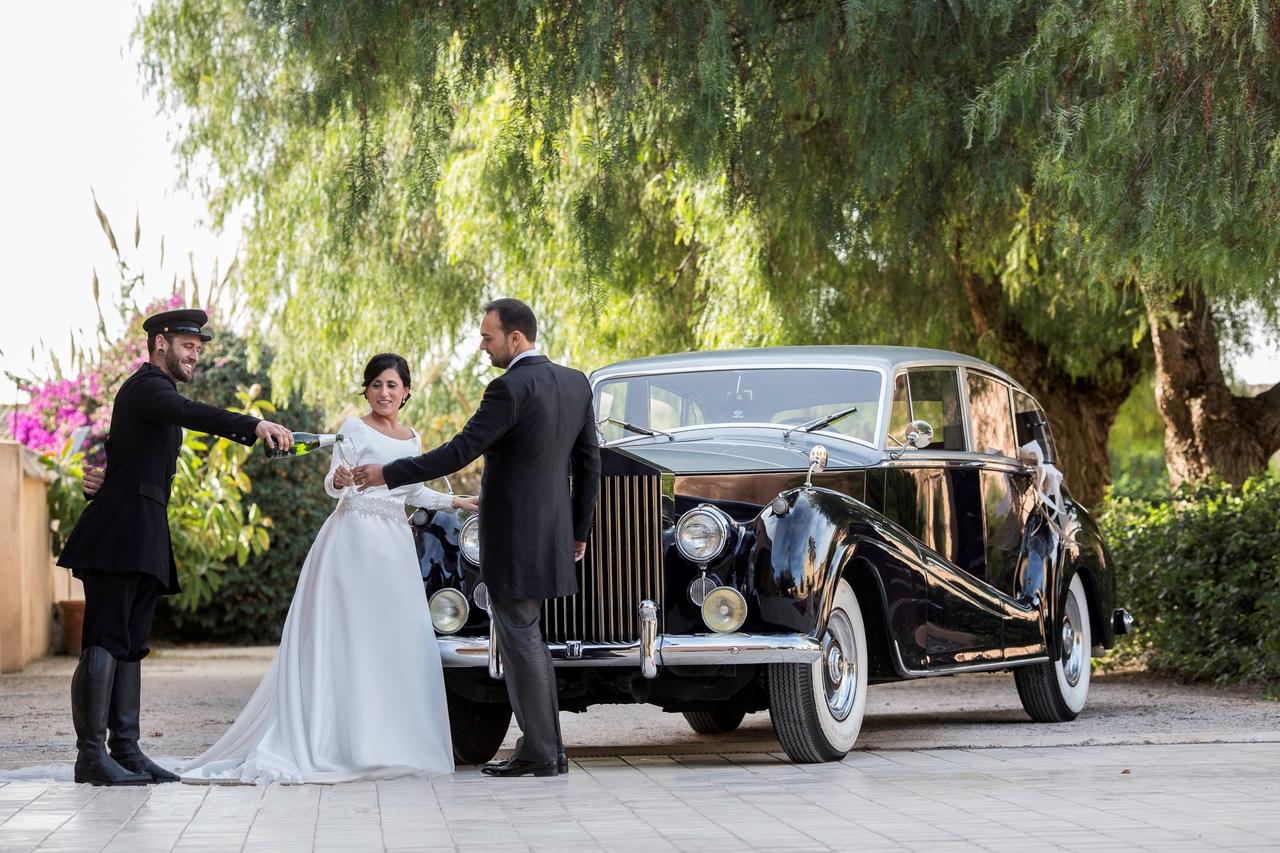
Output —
<point x="343" y="476"/>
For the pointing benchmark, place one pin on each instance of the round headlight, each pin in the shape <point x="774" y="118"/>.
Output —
<point x="725" y="610"/>
<point x="480" y="595"/>
<point x="701" y="534"/>
<point x="449" y="611"/>
<point x="469" y="540"/>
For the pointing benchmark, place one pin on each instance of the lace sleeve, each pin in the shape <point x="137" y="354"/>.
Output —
<point x="419" y="495"/>
<point x="350" y="434"/>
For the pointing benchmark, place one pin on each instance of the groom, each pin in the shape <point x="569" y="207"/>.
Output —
<point x="535" y="427"/>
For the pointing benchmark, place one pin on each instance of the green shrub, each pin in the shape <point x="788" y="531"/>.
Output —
<point x="1200" y="571"/>
<point x="252" y="600"/>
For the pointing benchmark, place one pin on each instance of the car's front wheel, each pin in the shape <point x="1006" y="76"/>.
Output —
<point x="817" y="708"/>
<point x="716" y="721"/>
<point x="478" y="728"/>
<point x="1055" y="692"/>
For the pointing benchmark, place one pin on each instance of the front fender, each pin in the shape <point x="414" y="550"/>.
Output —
<point x="799" y="556"/>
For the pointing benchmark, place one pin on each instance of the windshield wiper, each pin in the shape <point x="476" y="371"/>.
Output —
<point x="819" y="423"/>
<point x="635" y="428"/>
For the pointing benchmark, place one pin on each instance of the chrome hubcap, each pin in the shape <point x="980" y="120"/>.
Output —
<point x="1073" y="650"/>
<point x="839" y="666"/>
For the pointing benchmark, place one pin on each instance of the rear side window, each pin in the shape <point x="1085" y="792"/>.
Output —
<point x="928" y="394"/>
<point x="1032" y="425"/>
<point x="990" y="416"/>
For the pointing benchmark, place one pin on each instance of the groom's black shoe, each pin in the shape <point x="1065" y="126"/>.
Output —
<point x="562" y="764"/>
<point x="520" y="767"/>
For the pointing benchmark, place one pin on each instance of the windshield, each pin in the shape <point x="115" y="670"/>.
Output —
<point x="781" y="395"/>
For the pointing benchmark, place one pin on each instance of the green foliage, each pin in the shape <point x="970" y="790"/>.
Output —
<point x="1136" y="445"/>
<point x="209" y="520"/>
<point x="63" y="495"/>
<point x="650" y="176"/>
<point x="252" y="599"/>
<point x="1200" y="571"/>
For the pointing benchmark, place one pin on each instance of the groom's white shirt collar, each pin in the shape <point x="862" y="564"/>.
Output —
<point x="527" y="352"/>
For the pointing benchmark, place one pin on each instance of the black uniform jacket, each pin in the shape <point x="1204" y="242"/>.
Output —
<point x="126" y="527"/>
<point x="536" y="430"/>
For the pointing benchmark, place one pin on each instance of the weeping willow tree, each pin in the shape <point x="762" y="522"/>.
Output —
<point x="649" y="175"/>
<point x="1156" y="131"/>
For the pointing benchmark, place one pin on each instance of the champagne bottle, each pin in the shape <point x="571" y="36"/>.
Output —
<point x="304" y="443"/>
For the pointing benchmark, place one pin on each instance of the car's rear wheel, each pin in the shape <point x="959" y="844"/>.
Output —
<point x="478" y="728"/>
<point x="1055" y="692"/>
<point x="817" y="708"/>
<point x="717" y="721"/>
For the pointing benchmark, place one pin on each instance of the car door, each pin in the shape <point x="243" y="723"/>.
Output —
<point x="934" y="494"/>
<point x="1007" y="505"/>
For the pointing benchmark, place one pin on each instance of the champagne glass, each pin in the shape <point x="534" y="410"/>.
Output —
<point x="346" y="454"/>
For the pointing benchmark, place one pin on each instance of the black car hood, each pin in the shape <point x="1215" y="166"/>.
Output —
<point x="741" y="449"/>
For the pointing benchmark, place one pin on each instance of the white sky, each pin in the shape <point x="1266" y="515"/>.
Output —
<point x="77" y="119"/>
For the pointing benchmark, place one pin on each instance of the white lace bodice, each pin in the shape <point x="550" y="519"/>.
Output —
<point x="364" y="445"/>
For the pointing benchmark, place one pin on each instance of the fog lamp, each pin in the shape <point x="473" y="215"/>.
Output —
<point x="449" y="611"/>
<point x="725" y="610"/>
<point x="469" y="540"/>
<point x="480" y="595"/>
<point x="702" y="533"/>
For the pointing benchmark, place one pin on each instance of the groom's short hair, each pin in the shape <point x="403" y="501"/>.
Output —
<point x="515" y="316"/>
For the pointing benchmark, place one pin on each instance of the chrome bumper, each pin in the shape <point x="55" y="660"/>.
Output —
<point x="649" y="652"/>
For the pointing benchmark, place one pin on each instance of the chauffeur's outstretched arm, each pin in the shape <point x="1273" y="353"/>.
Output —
<point x="165" y="405"/>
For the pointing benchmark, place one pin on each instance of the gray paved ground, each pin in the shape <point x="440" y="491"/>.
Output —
<point x="950" y="764"/>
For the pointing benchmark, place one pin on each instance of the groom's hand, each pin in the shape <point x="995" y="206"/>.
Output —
<point x="579" y="551"/>
<point x="368" y="476"/>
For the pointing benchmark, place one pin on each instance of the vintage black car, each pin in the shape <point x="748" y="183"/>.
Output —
<point x="778" y="528"/>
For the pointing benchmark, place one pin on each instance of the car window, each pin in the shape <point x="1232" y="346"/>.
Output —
<point x="668" y="410"/>
<point x="785" y="395"/>
<point x="1032" y="425"/>
<point x="928" y="394"/>
<point x="990" y="416"/>
<point x="612" y="403"/>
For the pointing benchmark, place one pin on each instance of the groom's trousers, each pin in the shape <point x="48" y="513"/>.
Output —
<point x="530" y="677"/>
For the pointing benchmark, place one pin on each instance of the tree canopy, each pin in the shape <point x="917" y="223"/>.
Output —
<point x="669" y="175"/>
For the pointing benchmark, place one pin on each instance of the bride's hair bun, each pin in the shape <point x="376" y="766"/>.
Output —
<point x="384" y="361"/>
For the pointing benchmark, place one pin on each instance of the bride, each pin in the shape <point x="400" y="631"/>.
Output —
<point x="355" y="690"/>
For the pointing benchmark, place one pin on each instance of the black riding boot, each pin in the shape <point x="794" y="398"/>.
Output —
<point x="90" y="700"/>
<point x="123" y="722"/>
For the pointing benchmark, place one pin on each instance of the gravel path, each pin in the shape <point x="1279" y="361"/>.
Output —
<point x="191" y="695"/>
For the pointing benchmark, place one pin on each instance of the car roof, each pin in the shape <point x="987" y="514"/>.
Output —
<point x="886" y="358"/>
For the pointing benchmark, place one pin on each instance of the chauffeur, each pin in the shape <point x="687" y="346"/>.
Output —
<point x="120" y="547"/>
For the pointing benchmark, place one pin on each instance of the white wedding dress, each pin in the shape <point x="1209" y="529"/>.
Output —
<point x="355" y="690"/>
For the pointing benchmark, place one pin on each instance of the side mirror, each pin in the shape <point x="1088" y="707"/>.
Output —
<point x="919" y="434"/>
<point x="817" y="464"/>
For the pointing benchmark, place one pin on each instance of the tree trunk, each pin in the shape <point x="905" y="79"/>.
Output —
<point x="1081" y="411"/>
<point x="1208" y="431"/>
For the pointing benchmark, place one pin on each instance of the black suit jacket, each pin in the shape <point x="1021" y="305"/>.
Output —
<point x="536" y="430"/>
<point x="126" y="527"/>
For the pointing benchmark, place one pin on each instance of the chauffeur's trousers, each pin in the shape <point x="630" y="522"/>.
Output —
<point x="119" y="608"/>
<point x="530" y="677"/>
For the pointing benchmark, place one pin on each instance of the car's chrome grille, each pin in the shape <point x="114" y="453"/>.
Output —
<point x="623" y="566"/>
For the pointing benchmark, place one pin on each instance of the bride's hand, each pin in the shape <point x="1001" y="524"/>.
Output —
<point x="342" y="477"/>
<point x="460" y="502"/>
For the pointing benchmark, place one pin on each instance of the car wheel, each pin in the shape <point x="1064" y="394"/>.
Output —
<point x="717" y="721"/>
<point x="478" y="728"/>
<point x="817" y="708"/>
<point x="1055" y="692"/>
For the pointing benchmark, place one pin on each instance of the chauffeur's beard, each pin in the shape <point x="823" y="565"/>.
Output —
<point x="174" y="367"/>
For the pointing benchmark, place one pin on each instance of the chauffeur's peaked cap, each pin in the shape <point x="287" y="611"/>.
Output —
<point x="183" y="321"/>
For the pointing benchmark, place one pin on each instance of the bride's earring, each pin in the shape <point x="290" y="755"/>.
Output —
<point x="407" y="395"/>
